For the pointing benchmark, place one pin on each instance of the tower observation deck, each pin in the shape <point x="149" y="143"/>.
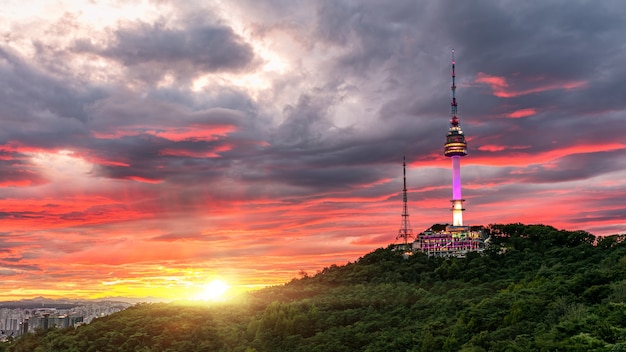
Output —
<point x="455" y="148"/>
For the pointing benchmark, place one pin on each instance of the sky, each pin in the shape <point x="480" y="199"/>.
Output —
<point x="150" y="147"/>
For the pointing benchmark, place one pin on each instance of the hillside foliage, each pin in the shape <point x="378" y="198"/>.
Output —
<point x="535" y="288"/>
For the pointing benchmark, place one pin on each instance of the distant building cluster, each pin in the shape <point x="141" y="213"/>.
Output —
<point x="17" y="319"/>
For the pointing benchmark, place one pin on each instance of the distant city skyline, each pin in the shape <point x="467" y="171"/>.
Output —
<point x="19" y="317"/>
<point x="151" y="148"/>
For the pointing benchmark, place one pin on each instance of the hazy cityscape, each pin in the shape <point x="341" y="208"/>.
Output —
<point x="20" y="317"/>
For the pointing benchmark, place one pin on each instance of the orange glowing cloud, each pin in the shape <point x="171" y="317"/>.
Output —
<point x="520" y="159"/>
<point x="499" y="148"/>
<point x="555" y="203"/>
<point x="129" y="132"/>
<point x="492" y="148"/>
<point x="92" y="158"/>
<point x="502" y="89"/>
<point x="143" y="179"/>
<point x="495" y="82"/>
<point x="22" y="178"/>
<point x="522" y="113"/>
<point x="215" y="153"/>
<point x="194" y="133"/>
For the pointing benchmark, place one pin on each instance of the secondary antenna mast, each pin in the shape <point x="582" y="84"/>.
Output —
<point x="406" y="232"/>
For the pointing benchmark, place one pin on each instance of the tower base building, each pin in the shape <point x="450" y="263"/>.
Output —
<point x="450" y="241"/>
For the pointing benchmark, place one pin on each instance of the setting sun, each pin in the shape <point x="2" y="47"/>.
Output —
<point x="214" y="291"/>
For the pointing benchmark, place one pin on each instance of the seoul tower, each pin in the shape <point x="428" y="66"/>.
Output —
<point x="455" y="148"/>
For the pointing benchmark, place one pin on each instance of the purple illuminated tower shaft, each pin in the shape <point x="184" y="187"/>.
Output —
<point x="455" y="147"/>
<point x="456" y="177"/>
<point x="457" y="199"/>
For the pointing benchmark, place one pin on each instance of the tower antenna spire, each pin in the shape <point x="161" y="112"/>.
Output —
<point x="454" y="121"/>
<point x="406" y="232"/>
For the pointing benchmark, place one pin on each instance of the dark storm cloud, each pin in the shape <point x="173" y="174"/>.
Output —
<point x="306" y="124"/>
<point x="534" y="46"/>
<point x="378" y="43"/>
<point x="155" y="49"/>
<point x="394" y="51"/>
<point x="127" y="110"/>
<point x="41" y="111"/>
<point x="14" y="265"/>
<point x="308" y="149"/>
<point x="18" y="215"/>
<point x="561" y="39"/>
<point x="145" y="160"/>
<point x="375" y="32"/>
<point x="375" y="37"/>
<point x="573" y="167"/>
<point x="330" y="177"/>
<point x="369" y="35"/>
<point x="26" y="267"/>
<point x="38" y="109"/>
<point x="156" y="137"/>
<point x="184" y="236"/>
<point x="604" y="215"/>
<point x="144" y="153"/>
<point x="15" y="171"/>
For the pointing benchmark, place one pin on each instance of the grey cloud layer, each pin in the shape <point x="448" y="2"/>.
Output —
<point x="152" y="50"/>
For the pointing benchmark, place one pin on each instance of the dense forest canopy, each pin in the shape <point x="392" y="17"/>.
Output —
<point x="535" y="288"/>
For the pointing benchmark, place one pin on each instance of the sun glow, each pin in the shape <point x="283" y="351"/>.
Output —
<point x="214" y="291"/>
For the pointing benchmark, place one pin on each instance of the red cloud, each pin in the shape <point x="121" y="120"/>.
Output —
<point x="21" y="178"/>
<point x="502" y="89"/>
<point x="516" y="157"/>
<point x="494" y="81"/>
<point x="499" y="148"/>
<point x="194" y="133"/>
<point x="99" y="160"/>
<point x="143" y="179"/>
<point x="521" y="158"/>
<point x="491" y="148"/>
<point x="522" y="113"/>
<point x="196" y="154"/>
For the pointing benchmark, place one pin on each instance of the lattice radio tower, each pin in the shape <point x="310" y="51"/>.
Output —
<point x="406" y="232"/>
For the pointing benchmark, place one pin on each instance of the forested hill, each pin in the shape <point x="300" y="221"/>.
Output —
<point x="535" y="289"/>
